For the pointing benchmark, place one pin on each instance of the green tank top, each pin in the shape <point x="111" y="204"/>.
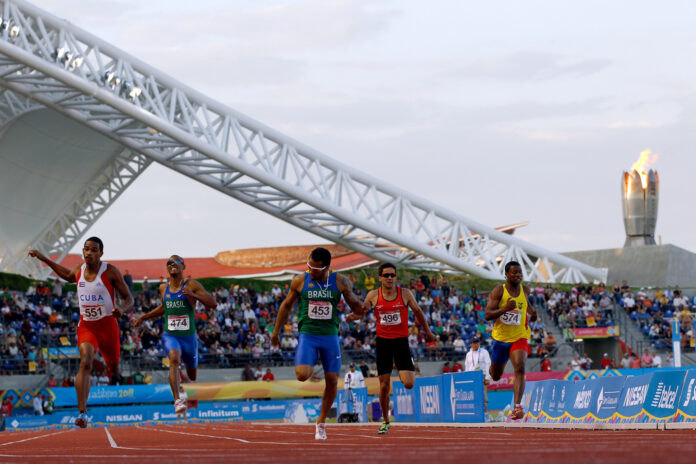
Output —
<point x="318" y="313"/>
<point x="179" y="316"/>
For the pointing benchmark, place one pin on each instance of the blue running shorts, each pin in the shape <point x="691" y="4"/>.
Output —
<point x="187" y="346"/>
<point x="324" y="346"/>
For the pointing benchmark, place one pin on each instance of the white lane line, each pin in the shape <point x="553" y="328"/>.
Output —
<point x="113" y="444"/>
<point x="34" y="438"/>
<point x="241" y="440"/>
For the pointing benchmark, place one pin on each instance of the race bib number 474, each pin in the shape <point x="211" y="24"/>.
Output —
<point x="178" y="322"/>
<point x="321" y="310"/>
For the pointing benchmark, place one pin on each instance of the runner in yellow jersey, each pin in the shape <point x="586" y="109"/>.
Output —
<point x="509" y="307"/>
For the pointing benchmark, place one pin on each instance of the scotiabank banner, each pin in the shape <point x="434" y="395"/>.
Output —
<point x="507" y="380"/>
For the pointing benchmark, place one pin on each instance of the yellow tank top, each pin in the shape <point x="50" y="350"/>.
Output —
<point x="512" y="325"/>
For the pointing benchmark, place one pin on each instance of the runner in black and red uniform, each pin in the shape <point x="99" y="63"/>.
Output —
<point x="391" y="304"/>
<point x="97" y="284"/>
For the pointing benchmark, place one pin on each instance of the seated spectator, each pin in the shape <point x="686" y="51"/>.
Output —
<point x="446" y="369"/>
<point x="268" y="376"/>
<point x="606" y="361"/>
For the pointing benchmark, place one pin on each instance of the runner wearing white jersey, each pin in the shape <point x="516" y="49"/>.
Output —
<point x="97" y="283"/>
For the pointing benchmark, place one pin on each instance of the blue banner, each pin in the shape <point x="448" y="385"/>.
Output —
<point x="405" y="402"/>
<point x="605" y="399"/>
<point x="117" y="394"/>
<point x="686" y="410"/>
<point x="632" y="398"/>
<point x="663" y="396"/>
<point x="357" y="402"/>
<point x="578" y="405"/>
<point x="536" y="399"/>
<point x="429" y="399"/>
<point x="462" y="397"/>
<point x="555" y="400"/>
<point x="63" y="352"/>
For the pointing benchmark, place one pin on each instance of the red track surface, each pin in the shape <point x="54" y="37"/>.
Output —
<point x="267" y="443"/>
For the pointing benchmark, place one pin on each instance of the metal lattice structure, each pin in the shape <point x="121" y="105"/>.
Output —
<point x="59" y="66"/>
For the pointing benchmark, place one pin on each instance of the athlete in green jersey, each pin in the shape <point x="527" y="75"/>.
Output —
<point x="180" y="340"/>
<point x="319" y="291"/>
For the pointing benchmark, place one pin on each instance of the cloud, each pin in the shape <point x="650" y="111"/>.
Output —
<point x="530" y="66"/>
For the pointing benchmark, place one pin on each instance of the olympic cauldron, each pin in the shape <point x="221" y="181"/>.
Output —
<point x="640" y="192"/>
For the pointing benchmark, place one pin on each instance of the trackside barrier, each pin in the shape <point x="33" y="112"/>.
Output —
<point x="657" y="397"/>
<point x="454" y="397"/>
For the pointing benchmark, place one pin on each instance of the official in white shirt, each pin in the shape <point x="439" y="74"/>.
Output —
<point x="353" y="378"/>
<point x="478" y="359"/>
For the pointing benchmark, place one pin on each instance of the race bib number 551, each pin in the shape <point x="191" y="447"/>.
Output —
<point x="320" y="310"/>
<point x="92" y="313"/>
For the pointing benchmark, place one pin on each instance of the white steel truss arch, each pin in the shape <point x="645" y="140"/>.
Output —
<point x="65" y="68"/>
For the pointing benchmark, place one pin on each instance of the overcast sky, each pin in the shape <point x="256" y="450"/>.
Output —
<point x="501" y="111"/>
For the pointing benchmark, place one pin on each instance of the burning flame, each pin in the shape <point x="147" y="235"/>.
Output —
<point x="646" y="159"/>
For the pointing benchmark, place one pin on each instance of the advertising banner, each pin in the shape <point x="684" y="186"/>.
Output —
<point x="663" y="395"/>
<point x="507" y="380"/>
<point x="536" y="400"/>
<point x="117" y="394"/>
<point x="462" y="397"/>
<point x="405" y="402"/>
<point x="686" y="409"/>
<point x="578" y="406"/>
<point x="605" y="400"/>
<point x="62" y="352"/>
<point x="429" y="399"/>
<point x="632" y="398"/>
<point x="554" y="401"/>
<point x="595" y="332"/>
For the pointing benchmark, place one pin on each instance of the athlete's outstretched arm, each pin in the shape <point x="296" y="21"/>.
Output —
<point x="119" y="284"/>
<point x="195" y="290"/>
<point x="62" y="271"/>
<point x="492" y="311"/>
<point x="155" y="313"/>
<point x="368" y="304"/>
<point x="345" y="286"/>
<point x="410" y="301"/>
<point x="286" y="307"/>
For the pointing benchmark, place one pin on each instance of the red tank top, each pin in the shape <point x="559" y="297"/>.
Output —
<point x="392" y="316"/>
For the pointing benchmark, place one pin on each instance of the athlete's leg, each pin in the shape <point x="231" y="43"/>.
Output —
<point x="174" y="362"/>
<point x="110" y="346"/>
<point x="305" y="356"/>
<point x="384" y="388"/>
<point x="500" y="353"/>
<point x="330" y="390"/>
<point x="192" y="373"/>
<point x="303" y="372"/>
<point x="87" y="351"/>
<point x="518" y="359"/>
<point x="496" y="371"/>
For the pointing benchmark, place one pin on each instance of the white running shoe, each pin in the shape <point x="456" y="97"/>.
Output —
<point x="320" y="433"/>
<point x="179" y="406"/>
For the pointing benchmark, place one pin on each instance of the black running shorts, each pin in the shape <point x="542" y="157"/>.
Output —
<point x="392" y="351"/>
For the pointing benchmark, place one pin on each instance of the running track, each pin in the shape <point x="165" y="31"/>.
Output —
<point x="269" y="443"/>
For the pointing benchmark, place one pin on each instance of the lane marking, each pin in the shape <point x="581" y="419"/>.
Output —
<point x="34" y="438"/>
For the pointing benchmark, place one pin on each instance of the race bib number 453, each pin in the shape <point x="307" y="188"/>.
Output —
<point x="511" y="318"/>
<point x="320" y="310"/>
<point x="390" y="318"/>
<point x="178" y="322"/>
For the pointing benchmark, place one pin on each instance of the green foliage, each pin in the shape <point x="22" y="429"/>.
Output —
<point x="15" y="282"/>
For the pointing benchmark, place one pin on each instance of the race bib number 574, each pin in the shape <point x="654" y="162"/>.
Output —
<point x="511" y="318"/>
<point x="321" y="310"/>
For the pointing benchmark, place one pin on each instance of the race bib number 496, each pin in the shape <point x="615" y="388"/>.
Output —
<point x="511" y="318"/>
<point x="320" y="310"/>
<point x="390" y="318"/>
<point x="178" y="322"/>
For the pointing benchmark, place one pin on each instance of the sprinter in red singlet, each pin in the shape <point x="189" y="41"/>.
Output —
<point x="391" y="305"/>
<point x="97" y="283"/>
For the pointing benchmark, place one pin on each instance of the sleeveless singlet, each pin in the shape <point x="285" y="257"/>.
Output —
<point x="318" y="314"/>
<point x="512" y="325"/>
<point x="179" y="315"/>
<point x="392" y="316"/>
<point x="96" y="298"/>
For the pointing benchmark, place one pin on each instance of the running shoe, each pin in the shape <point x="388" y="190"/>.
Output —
<point x="320" y="433"/>
<point x="384" y="428"/>
<point x="179" y="406"/>
<point x="82" y="420"/>
<point x="517" y="413"/>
